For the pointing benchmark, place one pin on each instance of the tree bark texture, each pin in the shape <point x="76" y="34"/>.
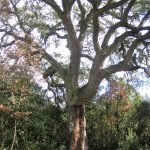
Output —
<point x="78" y="139"/>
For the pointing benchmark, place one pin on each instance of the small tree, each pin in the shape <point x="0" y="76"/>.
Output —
<point x="93" y="30"/>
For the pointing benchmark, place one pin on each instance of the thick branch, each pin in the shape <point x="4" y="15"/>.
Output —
<point x="95" y="3"/>
<point x="54" y="5"/>
<point x="127" y="10"/>
<point x="113" y="47"/>
<point x="83" y="22"/>
<point x="110" y="32"/>
<point x="110" y="6"/>
<point x="65" y="17"/>
<point x="97" y="75"/>
<point x="84" y="25"/>
<point x="7" y="44"/>
<point x="95" y="32"/>
<point x="145" y="36"/>
<point x="62" y="72"/>
<point x="121" y="66"/>
<point x="75" y="46"/>
<point x="67" y="5"/>
<point x="128" y="56"/>
<point x="94" y="79"/>
<point x="126" y="65"/>
<point x="71" y="3"/>
<point x="87" y="56"/>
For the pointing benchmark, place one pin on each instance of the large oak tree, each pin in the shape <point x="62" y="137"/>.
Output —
<point x="94" y="31"/>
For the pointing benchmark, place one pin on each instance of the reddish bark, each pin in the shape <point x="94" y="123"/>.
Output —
<point x="78" y="138"/>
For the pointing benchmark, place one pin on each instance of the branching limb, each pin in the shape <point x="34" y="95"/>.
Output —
<point x="127" y="10"/>
<point x="96" y="32"/>
<point x="111" y="5"/>
<point x="7" y="44"/>
<point x="117" y="42"/>
<point x="95" y="3"/>
<point x="54" y="5"/>
<point x="43" y="53"/>
<point x="129" y="53"/>
<point x="67" y="5"/>
<point x="146" y="71"/>
<point x="147" y="15"/>
<point x="54" y="33"/>
<point x="56" y="65"/>
<point x="87" y="56"/>
<point x="75" y="47"/>
<point x="84" y="25"/>
<point x="65" y="17"/>
<point x="18" y="17"/>
<point x="110" y="32"/>
<point x="83" y="22"/>
<point x="4" y="43"/>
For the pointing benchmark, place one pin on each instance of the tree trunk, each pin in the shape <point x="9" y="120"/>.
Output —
<point x="78" y="139"/>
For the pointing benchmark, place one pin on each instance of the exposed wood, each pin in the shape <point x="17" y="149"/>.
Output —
<point x="78" y="134"/>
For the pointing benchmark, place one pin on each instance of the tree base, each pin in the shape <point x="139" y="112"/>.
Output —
<point x="78" y="128"/>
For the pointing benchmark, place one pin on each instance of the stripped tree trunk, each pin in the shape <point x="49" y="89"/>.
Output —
<point x="78" y="139"/>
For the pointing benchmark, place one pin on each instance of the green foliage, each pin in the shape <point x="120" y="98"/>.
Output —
<point x="130" y="142"/>
<point x="38" y="121"/>
<point x="110" y="120"/>
<point x="142" y="122"/>
<point x="119" y="120"/>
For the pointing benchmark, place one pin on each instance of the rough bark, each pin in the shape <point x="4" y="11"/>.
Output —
<point x="78" y="139"/>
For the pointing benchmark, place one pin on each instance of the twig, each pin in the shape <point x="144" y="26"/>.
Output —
<point x="14" y="136"/>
